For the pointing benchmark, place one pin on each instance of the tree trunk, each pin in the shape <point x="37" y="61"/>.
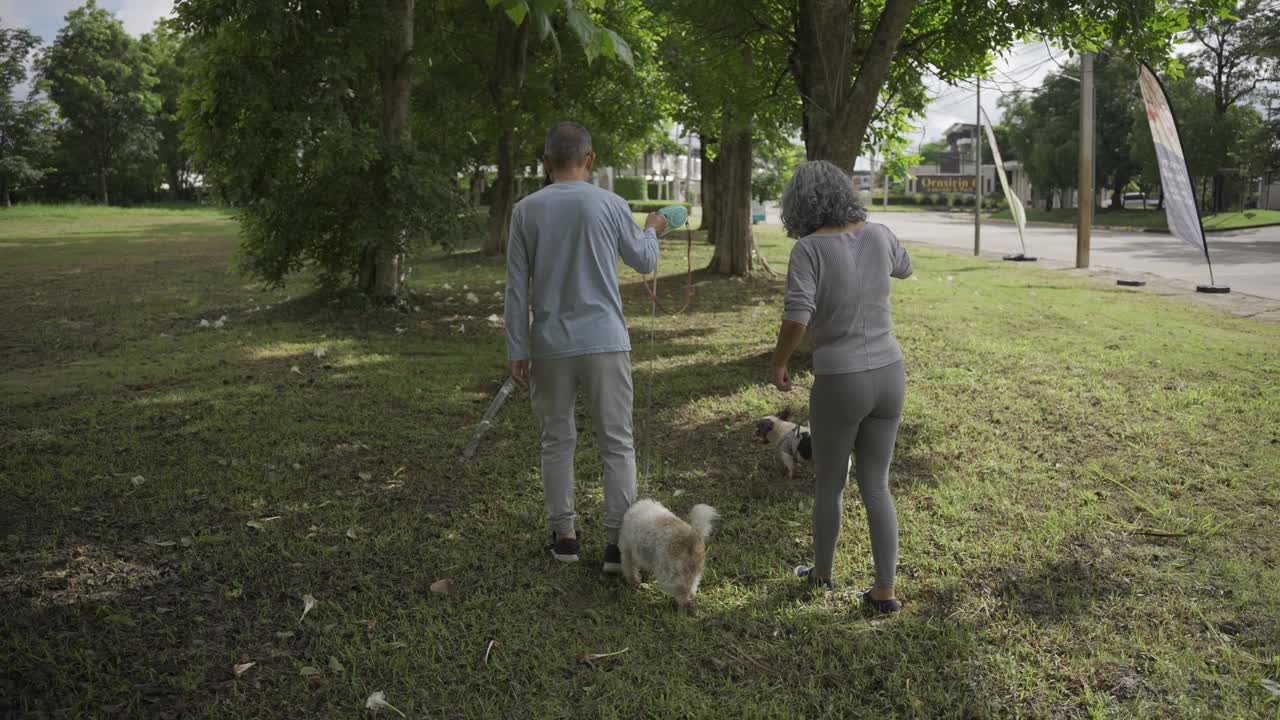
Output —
<point x="732" y="230"/>
<point x="837" y="106"/>
<point x="709" y="196"/>
<point x="503" y="197"/>
<point x="7" y="201"/>
<point x="504" y="85"/>
<point x="383" y="259"/>
<point x="103" y="197"/>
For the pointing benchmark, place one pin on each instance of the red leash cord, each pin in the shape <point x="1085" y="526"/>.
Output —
<point x="688" y="289"/>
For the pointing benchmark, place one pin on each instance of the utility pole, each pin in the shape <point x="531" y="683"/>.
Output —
<point x="1084" y="224"/>
<point x="977" y="174"/>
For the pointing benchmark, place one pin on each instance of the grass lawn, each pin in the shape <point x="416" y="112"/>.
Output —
<point x="1087" y="484"/>
<point x="1150" y="218"/>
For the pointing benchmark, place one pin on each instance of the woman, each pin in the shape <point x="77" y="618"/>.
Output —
<point x="838" y="290"/>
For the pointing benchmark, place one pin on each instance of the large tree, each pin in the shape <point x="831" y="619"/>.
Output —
<point x="25" y="130"/>
<point x="1236" y="57"/>
<point x="168" y="52"/>
<point x="300" y="117"/>
<point x="103" y="83"/>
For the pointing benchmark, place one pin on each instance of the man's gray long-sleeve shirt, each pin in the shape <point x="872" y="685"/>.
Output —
<point x="838" y="285"/>
<point x="562" y="262"/>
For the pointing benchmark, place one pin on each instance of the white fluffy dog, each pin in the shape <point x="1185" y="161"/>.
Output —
<point x="655" y="541"/>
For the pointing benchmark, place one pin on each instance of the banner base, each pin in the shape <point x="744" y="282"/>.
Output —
<point x="1213" y="289"/>
<point x="1019" y="258"/>
<point x="1131" y="283"/>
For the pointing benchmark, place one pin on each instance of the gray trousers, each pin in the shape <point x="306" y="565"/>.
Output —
<point x="606" y="380"/>
<point x="856" y="412"/>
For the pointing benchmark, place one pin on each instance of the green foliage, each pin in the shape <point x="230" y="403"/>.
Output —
<point x="774" y="164"/>
<point x="103" y="83"/>
<point x="26" y="132"/>
<point x="631" y="187"/>
<point x="288" y="130"/>
<point x="168" y="51"/>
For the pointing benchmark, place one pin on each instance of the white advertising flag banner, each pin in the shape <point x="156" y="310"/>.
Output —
<point x="1015" y="205"/>
<point x="1175" y="181"/>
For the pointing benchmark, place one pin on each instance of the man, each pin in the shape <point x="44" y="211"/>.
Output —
<point x="562" y="262"/>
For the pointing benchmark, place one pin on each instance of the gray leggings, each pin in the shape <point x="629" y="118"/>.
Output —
<point x="856" y="412"/>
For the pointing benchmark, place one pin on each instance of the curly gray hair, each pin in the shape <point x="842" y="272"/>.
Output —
<point x="819" y="195"/>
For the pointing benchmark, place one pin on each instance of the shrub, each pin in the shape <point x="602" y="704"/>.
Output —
<point x="631" y="187"/>
<point x="648" y="206"/>
<point x="918" y="198"/>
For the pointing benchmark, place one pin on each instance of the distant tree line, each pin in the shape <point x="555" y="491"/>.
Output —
<point x="100" y="122"/>
<point x="1220" y="97"/>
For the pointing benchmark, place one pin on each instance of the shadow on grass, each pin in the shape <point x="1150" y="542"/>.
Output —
<point x="1061" y="590"/>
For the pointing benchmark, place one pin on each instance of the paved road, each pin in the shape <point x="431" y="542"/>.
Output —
<point x="1246" y="260"/>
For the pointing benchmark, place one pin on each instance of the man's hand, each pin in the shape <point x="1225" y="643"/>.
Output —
<point x="657" y="221"/>
<point x="781" y="377"/>
<point x="520" y="373"/>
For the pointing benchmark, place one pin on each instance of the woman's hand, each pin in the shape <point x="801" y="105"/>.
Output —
<point x="781" y="377"/>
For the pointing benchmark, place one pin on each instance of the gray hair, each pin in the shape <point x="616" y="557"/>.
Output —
<point x="567" y="146"/>
<point x="819" y="195"/>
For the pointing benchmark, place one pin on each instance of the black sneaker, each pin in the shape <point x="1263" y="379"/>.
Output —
<point x="805" y="573"/>
<point x="563" y="549"/>
<point x="612" y="559"/>
<point x="881" y="606"/>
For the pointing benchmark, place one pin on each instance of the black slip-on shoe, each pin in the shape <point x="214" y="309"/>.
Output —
<point x="612" y="559"/>
<point x="563" y="549"/>
<point x="805" y="573"/>
<point x="887" y="607"/>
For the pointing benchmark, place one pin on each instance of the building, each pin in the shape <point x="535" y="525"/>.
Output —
<point x="671" y="176"/>
<point x="954" y="173"/>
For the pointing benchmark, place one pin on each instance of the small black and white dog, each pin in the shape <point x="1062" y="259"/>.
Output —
<point x="791" y="439"/>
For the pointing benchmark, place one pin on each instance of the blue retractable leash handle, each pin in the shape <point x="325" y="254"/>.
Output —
<point x="677" y="216"/>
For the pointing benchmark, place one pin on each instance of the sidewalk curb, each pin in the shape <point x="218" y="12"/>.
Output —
<point x="1129" y="228"/>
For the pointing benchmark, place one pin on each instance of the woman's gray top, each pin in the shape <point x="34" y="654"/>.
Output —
<point x="838" y="285"/>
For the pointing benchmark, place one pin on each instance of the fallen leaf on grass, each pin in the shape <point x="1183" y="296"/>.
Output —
<point x="351" y="533"/>
<point x="1271" y="686"/>
<point x="295" y="369"/>
<point x="256" y="525"/>
<point x="473" y="298"/>
<point x="308" y="602"/>
<point x="186" y="541"/>
<point x="242" y="668"/>
<point x="492" y="645"/>
<point x="309" y="671"/>
<point x="366" y="476"/>
<point x="335" y="666"/>
<point x="137" y="480"/>
<point x="592" y="658"/>
<point x="162" y="543"/>
<point x="319" y="352"/>
<point x="204" y="323"/>
<point x="444" y="586"/>
<point x="398" y="645"/>
<point x="378" y="700"/>
<point x="284" y="634"/>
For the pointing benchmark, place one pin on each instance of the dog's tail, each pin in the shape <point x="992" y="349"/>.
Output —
<point x="703" y="519"/>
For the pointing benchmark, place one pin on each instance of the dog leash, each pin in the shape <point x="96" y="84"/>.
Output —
<point x="688" y="288"/>
<point x="654" y="305"/>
